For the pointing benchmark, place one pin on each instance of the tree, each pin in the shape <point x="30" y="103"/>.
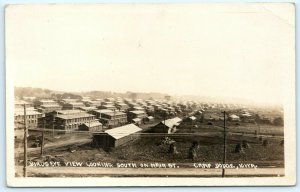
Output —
<point x="257" y="118"/>
<point x="278" y="121"/>
<point x="168" y="97"/>
<point x="133" y="96"/>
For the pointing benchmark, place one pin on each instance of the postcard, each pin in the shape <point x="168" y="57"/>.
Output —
<point x="150" y="94"/>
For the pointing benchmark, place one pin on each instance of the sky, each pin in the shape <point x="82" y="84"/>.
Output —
<point x="242" y="50"/>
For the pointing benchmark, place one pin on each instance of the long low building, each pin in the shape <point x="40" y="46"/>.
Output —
<point x="49" y="108"/>
<point x="66" y="119"/>
<point x="32" y="117"/>
<point x="110" y="118"/>
<point x="91" y="126"/>
<point x="136" y="114"/>
<point x="72" y="105"/>
<point x="72" y="121"/>
<point x="116" y="136"/>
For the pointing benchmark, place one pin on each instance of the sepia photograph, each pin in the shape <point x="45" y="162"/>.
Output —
<point x="150" y="94"/>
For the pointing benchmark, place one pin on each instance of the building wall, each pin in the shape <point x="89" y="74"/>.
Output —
<point x="160" y="128"/>
<point x="91" y="129"/>
<point x="133" y="116"/>
<point x="69" y="106"/>
<point x="112" y="120"/>
<point x="31" y="120"/>
<point x="47" y="109"/>
<point x="63" y="124"/>
<point x="106" y="140"/>
<point x="71" y="124"/>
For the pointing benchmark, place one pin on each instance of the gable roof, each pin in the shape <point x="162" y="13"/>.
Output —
<point x="68" y="111"/>
<point x="137" y="112"/>
<point x="171" y="122"/>
<point x="29" y="112"/>
<point x="192" y="118"/>
<point x="136" y="119"/>
<point x="123" y="131"/>
<point x="109" y="112"/>
<point x="233" y="116"/>
<point x="74" y="115"/>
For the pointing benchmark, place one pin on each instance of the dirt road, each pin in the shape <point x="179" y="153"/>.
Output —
<point x="20" y="151"/>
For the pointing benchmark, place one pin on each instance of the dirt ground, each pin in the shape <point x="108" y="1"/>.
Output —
<point x="147" y="148"/>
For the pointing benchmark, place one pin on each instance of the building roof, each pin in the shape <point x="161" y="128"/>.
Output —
<point x="51" y="105"/>
<point x="94" y="102"/>
<point x="137" y="112"/>
<point x="233" y="116"/>
<point x="93" y="124"/>
<point x="47" y="101"/>
<point x="108" y="105"/>
<point x="21" y="109"/>
<point x="123" y="131"/>
<point x="246" y="115"/>
<point x="172" y="122"/>
<point x="109" y="112"/>
<point x="136" y="119"/>
<point x="192" y="118"/>
<point x="104" y="111"/>
<point x="28" y="112"/>
<point x="138" y="108"/>
<point x="87" y="108"/>
<point x="74" y="116"/>
<point x="68" y="111"/>
<point x="19" y="102"/>
<point x="31" y="98"/>
<point x="122" y="104"/>
<point x="75" y="103"/>
<point x="69" y="100"/>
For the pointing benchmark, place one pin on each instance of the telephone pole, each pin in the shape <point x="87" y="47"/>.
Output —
<point x="43" y="139"/>
<point x="25" y="144"/>
<point x="224" y="144"/>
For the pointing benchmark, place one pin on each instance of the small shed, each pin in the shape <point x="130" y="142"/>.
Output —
<point x="136" y="121"/>
<point x="233" y="117"/>
<point x="149" y="119"/>
<point x="116" y="136"/>
<point x="167" y="126"/>
<point x="92" y="126"/>
<point x="190" y="119"/>
<point x="198" y="112"/>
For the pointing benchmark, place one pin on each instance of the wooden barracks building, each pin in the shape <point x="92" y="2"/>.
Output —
<point x="110" y="118"/>
<point x="66" y="119"/>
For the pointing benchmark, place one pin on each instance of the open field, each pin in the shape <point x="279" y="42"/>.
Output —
<point x="148" y="149"/>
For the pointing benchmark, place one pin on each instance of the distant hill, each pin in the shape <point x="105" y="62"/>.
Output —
<point x="21" y="92"/>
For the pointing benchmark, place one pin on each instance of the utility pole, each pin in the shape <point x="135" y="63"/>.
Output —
<point x="25" y="144"/>
<point x="53" y="126"/>
<point x="89" y="123"/>
<point x="224" y="149"/>
<point x="53" y="123"/>
<point x="43" y="138"/>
